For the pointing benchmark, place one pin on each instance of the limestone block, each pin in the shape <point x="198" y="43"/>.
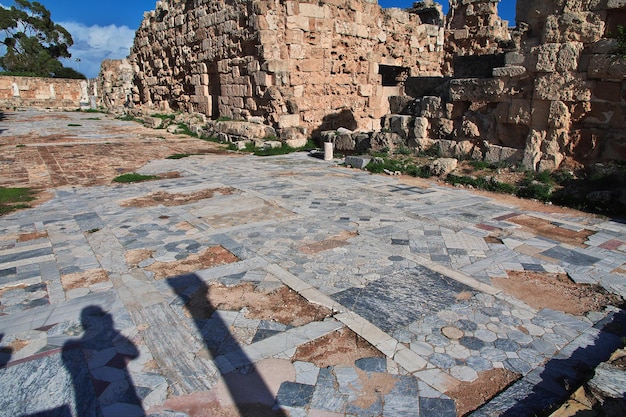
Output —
<point x="532" y="152"/>
<point x="298" y="22"/>
<point x="586" y="27"/>
<point x="244" y="129"/>
<point x="275" y="65"/>
<point x="615" y="4"/>
<point x="559" y="116"/>
<point x="311" y="65"/>
<point x="568" y="87"/>
<point x="519" y="112"/>
<point x="312" y="10"/>
<point x="510" y="71"/>
<point x="607" y="67"/>
<point x="608" y="91"/>
<point x="288" y="120"/>
<point x="344" y="142"/>
<point x="470" y="129"/>
<point x="359" y="162"/>
<point x="495" y="153"/>
<point x="366" y="90"/>
<point x="544" y="57"/>
<point x="514" y="58"/>
<point x="462" y="149"/>
<point x="568" y="56"/>
<point x="476" y="89"/>
<point x="443" y="166"/>
<point x="385" y="140"/>
<point x="400" y="124"/>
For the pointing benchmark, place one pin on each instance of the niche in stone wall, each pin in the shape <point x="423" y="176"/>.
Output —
<point x="615" y="18"/>
<point x="392" y="76"/>
<point x="477" y="66"/>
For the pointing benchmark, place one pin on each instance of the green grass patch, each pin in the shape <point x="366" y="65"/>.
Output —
<point x="482" y="183"/>
<point x="179" y="156"/>
<point x="134" y="177"/>
<point x="21" y="145"/>
<point x="164" y="116"/>
<point x="211" y="139"/>
<point x="183" y="129"/>
<point x="12" y="199"/>
<point x="129" y="118"/>
<point x="93" y="118"/>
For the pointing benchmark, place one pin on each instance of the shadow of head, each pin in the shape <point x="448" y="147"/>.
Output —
<point x="5" y="353"/>
<point x="94" y="317"/>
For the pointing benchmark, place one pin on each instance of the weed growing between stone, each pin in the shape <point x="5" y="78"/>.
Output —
<point x="179" y="156"/>
<point x="284" y="149"/>
<point x="134" y="177"/>
<point x="596" y="193"/>
<point x="12" y="199"/>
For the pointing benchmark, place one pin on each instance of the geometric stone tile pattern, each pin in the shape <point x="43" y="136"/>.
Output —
<point x="413" y="263"/>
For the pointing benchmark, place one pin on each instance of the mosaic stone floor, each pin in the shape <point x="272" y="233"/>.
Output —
<point x="84" y="331"/>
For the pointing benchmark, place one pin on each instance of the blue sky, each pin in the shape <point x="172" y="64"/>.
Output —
<point x="105" y="28"/>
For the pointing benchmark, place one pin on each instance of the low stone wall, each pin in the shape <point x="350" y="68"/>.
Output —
<point x="44" y="93"/>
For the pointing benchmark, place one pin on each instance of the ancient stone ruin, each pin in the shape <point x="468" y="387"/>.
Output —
<point x="550" y="90"/>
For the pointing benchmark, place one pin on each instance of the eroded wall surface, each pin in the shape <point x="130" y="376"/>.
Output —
<point x="43" y="93"/>
<point x="312" y="64"/>
<point x="551" y="90"/>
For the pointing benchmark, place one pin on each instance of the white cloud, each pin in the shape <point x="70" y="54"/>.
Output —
<point x="93" y="44"/>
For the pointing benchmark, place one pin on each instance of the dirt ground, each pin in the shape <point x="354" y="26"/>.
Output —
<point x="42" y="161"/>
<point x="175" y="199"/>
<point x="281" y="305"/>
<point x="342" y="347"/>
<point x="555" y="291"/>
<point x="468" y="396"/>
<point x="210" y="257"/>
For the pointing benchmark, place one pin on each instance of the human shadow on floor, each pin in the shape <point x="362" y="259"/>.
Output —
<point x="100" y="335"/>
<point x="5" y="353"/>
<point x="250" y="394"/>
<point x="97" y="366"/>
<point x="566" y="372"/>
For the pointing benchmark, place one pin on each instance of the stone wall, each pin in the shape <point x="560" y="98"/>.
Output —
<point x="114" y="87"/>
<point x="44" y="93"/>
<point x="292" y="64"/>
<point x="550" y="91"/>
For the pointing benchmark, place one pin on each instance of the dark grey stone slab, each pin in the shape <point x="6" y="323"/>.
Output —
<point x="437" y="407"/>
<point x="325" y="396"/>
<point x="88" y="221"/>
<point x="402" y="298"/>
<point x="293" y="394"/>
<point x="569" y="256"/>
<point x="25" y="255"/>
<point x="372" y="364"/>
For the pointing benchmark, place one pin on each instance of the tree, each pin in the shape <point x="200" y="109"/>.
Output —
<point x="33" y="42"/>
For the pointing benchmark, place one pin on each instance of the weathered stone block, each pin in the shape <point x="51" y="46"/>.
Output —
<point x="289" y="120"/>
<point x="511" y="71"/>
<point x="420" y="128"/>
<point x="358" y="162"/>
<point x="400" y="124"/>
<point x="344" y="142"/>
<point x="476" y="89"/>
<point x="568" y="87"/>
<point x="607" y="67"/>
